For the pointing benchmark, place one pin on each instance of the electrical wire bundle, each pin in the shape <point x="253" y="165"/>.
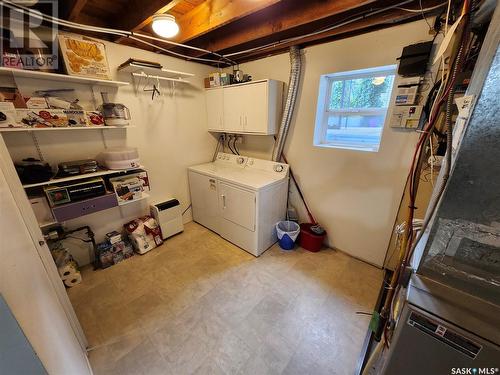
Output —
<point x="231" y="144"/>
<point x="220" y="143"/>
<point x="233" y="147"/>
<point x="225" y="59"/>
<point x="443" y="96"/>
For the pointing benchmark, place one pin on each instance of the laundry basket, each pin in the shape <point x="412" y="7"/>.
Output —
<point x="287" y="232"/>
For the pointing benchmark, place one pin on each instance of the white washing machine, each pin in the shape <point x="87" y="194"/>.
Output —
<point x="240" y="198"/>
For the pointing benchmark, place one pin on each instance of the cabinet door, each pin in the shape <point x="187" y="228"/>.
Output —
<point x="255" y="108"/>
<point x="204" y="200"/>
<point x="237" y="205"/>
<point x="234" y="104"/>
<point x="215" y="109"/>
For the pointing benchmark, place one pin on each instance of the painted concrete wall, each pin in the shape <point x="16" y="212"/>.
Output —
<point x="170" y="133"/>
<point x="355" y="195"/>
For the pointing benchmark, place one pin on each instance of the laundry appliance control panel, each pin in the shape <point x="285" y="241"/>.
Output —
<point x="268" y="166"/>
<point x="251" y="163"/>
<point x="231" y="160"/>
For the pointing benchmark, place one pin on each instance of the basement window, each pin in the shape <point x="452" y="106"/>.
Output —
<point x="352" y="107"/>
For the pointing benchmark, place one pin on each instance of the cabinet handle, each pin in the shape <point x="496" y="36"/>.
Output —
<point x="246" y="121"/>
<point x="223" y="201"/>
<point x="240" y="121"/>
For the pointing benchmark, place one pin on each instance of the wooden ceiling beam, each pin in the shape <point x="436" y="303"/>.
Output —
<point x="366" y="25"/>
<point x="284" y="16"/>
<point x="140" y="13"/>
<point x="75" y="8"/>
<point x="212" y="14"/>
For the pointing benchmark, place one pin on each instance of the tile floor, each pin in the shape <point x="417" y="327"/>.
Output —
<point x="200" y="305"/>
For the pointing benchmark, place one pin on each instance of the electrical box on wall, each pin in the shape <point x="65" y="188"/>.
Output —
<point x="414" y="59"/>
<point x="406" y="117"/>
<point x="407" y="91"/>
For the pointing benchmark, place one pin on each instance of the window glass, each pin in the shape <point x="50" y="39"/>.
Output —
<point x="354" y="110"/>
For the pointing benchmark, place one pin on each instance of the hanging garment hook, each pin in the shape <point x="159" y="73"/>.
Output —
<point x="154" y="91"/>
<point x="146" y="81"/>
<point x="158" y="82"/>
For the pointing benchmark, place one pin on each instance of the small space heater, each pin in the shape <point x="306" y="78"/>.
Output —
<point x="169" y="216"/>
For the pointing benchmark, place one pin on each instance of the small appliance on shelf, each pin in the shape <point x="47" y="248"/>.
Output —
<point x="120" y="158"/>
<point x="76" y="167"/>
<point x="32" y="171"/>
<point x="115" y="114"/>
<point x="74" y="192"/>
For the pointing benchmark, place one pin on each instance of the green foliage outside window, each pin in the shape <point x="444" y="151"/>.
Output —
<point x="360" y="93"/>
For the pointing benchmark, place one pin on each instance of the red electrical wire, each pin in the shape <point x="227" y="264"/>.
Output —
<point x="426" y="133"/>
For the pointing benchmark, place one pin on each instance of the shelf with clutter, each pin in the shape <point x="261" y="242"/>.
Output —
<point x="57" y="109"/>
<point x="29" y="129"/>
<point x="81" y="187"/>
<point x="70" y="180"/>
<point x="58" y="77"/>
<point x="99" y="172"/>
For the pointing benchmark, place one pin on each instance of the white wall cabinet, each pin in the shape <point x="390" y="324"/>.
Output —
<point x="247" y="108"/>
<point x="215" y="109"/>
<point x="233" y="108"/>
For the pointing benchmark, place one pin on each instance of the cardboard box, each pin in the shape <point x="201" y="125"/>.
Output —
<point x="76" y="117"/>
<point x="37" y="102"/>
<point x="12" y="95"/>
<point x="225" y="79"/>
<point x="113" y="237"/>
<point x="127" y="188"/>
<point x="105" y="254"/>
<point x="214" y="79"/>
<point x="42" y="210"/>
<point x="143" y="178"/>
<point x="94" y="118"/>
<point x="8" y="116"/>
<point x="123" y="248"/>
<point x="44" y="118"/>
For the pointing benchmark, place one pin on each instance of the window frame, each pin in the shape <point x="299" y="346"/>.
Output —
<point x="323" y="112"/>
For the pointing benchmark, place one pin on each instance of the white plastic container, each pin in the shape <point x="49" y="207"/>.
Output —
<point x="120" y="158"/>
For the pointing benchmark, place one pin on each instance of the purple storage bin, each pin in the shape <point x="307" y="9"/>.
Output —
<point x="73" y="210"/>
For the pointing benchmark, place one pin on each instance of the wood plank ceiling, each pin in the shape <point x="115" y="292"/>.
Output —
<point x="227" y="26"/>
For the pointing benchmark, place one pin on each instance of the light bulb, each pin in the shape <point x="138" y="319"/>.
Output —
<point x="164" y="25"/>
<point x="378" y="80"/>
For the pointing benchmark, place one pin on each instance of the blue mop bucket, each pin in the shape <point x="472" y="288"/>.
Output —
<point x="287" y="232"/>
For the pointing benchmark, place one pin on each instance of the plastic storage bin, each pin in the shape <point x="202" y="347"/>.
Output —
<point x="310" y="240"/>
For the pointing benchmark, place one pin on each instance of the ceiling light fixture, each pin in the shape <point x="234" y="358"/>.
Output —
<point x="164" y="25"/>
<point x="378" y="80"/>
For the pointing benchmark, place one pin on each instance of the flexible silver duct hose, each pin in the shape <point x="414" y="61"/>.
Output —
<point x="293" y="87"/>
